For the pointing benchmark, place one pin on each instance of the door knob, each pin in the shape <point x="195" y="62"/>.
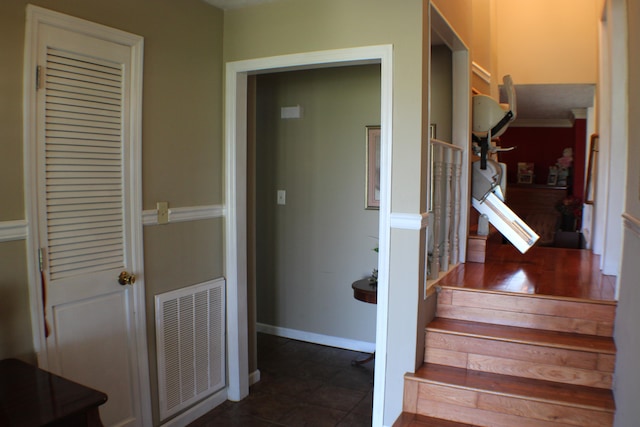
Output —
<point x="126" y="279"/>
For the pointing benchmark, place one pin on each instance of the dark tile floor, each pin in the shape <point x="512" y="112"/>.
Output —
<point x="302" y="384"/>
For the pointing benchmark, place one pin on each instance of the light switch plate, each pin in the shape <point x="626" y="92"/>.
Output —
<point x="282" y="197"/>
<point x="294" y="112"/>
<point x="163" y="212"/>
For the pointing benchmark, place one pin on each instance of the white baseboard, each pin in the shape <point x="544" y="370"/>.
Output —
<point x="206" y="405"/>
<point x="331" y="341"/>
<point x="198" y="410"/>
<point x="254" y="377"/>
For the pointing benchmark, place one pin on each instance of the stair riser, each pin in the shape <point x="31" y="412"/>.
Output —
<point x="524" y="320"/>
<point x="530" y="361"/>
<point x="502" y="377"/>
<point x="490" y="410"/>
<point x="535" y="304"/>
<point x="527" y="312"/>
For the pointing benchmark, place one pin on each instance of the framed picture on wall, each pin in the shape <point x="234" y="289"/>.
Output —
<point x="525" y="178"/>
<point x="525" y="173"/>
<point x="372" y="179"/>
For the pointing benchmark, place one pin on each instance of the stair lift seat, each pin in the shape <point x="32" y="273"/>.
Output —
<point x="491" y="119"/>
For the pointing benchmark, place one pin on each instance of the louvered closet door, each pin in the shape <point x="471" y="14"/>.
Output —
<point x="83" y="205"/>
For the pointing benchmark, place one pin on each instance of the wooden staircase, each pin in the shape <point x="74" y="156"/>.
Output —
<point x="496" y="359"/>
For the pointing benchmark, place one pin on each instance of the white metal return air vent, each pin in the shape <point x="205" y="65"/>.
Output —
<point x="190" y="339"/>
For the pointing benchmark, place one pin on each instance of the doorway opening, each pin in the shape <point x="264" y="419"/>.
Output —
<point x="314" y="235"/>
<point x="236" y="202"/>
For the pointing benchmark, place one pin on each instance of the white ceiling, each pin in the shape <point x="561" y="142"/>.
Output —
<point x="551" y="104"/>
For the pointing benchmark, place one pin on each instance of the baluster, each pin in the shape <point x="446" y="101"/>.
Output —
<point x="437" y="210"/>
<point x="457" y="191"/>
<point x="448" y="209"/>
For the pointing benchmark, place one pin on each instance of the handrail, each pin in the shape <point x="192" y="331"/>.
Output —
<point x="446" y="144"/>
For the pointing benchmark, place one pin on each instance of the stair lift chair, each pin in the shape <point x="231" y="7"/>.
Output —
<point x="490" y="120"/>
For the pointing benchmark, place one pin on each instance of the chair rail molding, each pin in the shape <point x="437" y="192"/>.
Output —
<point x="183" y="214"/>
<point x="13" y="230"/>
<point x="409" y="221"/>
<point x="631" y="223"/>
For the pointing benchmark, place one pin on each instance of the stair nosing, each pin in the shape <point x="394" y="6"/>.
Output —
<point x="542" y="296"/>
<point x="427" y="420"/>
<point x="522" y="396"/>
<point x="524" y="341"/>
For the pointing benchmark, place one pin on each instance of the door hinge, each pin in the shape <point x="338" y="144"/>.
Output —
<point x="42" y="259"/>
<point x="39" y="77"/>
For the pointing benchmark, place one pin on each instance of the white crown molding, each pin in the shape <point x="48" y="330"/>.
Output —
<point x="183" y="214"/>
<point x="13" y="230"/>
<point x="631" y="223"/>
<point x="407" y="221"/>
<point x="579" y="113"/>
<point x="542" y="123"/>
<point x="481" y="72"/>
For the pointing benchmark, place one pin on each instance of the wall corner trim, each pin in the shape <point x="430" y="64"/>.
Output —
<point x="407" y="221"/>
<point x="13" y="230"/>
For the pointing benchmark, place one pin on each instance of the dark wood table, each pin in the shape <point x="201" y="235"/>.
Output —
<point x="30" y="396"/>
<point x="366" y="291"/>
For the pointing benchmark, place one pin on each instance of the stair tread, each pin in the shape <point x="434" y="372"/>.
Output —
<point x="539" y="390"/>
<point x="416" y="420"/>
<point x="565" y="340"/>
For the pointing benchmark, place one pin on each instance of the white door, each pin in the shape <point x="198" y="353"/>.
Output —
<point x="88" y="227"/>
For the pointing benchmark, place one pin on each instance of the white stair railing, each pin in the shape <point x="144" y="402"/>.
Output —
<point x="444" y="238"/>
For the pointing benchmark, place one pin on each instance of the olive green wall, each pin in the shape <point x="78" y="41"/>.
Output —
<point x="299" y="26"/>
<point x="15" y="317"/>
<point x="442" y="92"/>
<point x="296" y="26"/>
<point x="181" y="147"/>
<point x="312" y="248"/>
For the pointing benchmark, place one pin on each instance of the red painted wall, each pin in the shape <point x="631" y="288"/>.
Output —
<point x="543" y="147"/>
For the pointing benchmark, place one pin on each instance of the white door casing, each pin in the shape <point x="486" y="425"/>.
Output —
<point x="235" y="164"/>
<point x="82" y="175"/>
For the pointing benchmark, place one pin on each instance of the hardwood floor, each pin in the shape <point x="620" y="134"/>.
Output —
<point x="520" y="340"/>
<point x="570" y="273"/>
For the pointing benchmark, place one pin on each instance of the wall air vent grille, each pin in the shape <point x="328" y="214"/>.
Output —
<point x="190" y="340"/>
